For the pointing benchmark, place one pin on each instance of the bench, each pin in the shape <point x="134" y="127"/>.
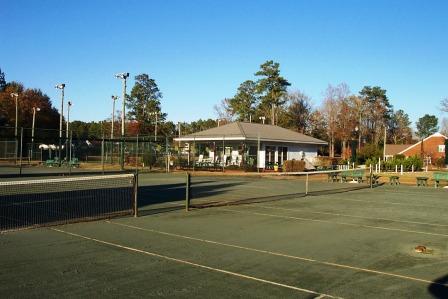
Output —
<point x="439" y="177"/>
<point x="52" y="162"/>
<point x="356" y="175"/>
<point x="394" y="180"/>
<point x="74" y="162"/>
<point x="333" y="177"/>
<point x="422" y="181"/>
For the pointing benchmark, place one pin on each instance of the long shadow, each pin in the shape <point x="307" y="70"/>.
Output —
<point x="438" y="288"/>
<point x="170" y="193"/>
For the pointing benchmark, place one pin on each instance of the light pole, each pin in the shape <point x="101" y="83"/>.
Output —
<point x="67" y="141"/>
<point x="156" y="114"/>
<point x="262" y="118"/>
<point x="61" y="115"/>
<point x="15" y="96"/>
<point x="69" y="104"/>
<point x="114" y="98"/>
<point x="35" y="109"/>
<point x="123" y="77"/>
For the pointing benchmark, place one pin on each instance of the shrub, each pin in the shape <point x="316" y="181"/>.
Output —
<point x="368" y="151"/>
<point x="326" y="162"/>
<point x="293" y="165"/>
<point x="414" y="160"/>
<point x="440" y="162"/>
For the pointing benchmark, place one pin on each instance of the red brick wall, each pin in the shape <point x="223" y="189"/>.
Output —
<point x="430" y="148"/>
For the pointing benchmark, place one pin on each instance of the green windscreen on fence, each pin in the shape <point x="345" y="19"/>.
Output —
<point x="63" y="200"/>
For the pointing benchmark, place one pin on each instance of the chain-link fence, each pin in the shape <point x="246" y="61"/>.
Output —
<point x="42" y="151"/>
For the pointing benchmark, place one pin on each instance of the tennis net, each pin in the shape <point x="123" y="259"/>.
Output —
<point x="222" y="190"/>
<point x="34" y="203"/>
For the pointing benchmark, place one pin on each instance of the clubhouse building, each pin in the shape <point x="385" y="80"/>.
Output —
<point x="249" y="146"/>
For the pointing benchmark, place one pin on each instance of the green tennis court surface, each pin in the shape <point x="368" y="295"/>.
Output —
<point x="356" y="244"/>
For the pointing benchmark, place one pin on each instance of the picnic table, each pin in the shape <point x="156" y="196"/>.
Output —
<point x="356" y="175"/>
<point x="394" y="180"/>
<point x="422" y="181"/>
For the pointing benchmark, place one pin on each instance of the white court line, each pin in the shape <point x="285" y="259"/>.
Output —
<point x="278" y="254"/>
<point x="391" y="203"/>
<point x="336" y="222"/>
<point x="172" y="259"/>
<point x="351" y="216"/>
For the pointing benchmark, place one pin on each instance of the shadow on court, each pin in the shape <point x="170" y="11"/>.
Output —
<point x="437" y="290"/>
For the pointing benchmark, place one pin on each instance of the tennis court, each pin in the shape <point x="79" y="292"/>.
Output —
<point x="351" y="243"/>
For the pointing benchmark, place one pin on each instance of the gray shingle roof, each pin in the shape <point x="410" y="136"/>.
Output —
<point x="251" y="131"/>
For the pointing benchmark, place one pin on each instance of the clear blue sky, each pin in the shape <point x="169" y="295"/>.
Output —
<point x="200" y="51"/>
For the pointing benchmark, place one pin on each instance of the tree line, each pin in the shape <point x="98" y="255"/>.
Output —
<point x="342" y="118"/>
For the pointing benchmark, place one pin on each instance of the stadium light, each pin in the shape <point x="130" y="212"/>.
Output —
<point x="123" y="77"/>
<point x="62" y="88"/>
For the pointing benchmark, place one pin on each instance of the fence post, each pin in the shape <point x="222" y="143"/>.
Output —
<point x="136" y="156"/>
<point x="21" y="150"/>
<point x="136" y="195"/>
<point x="187" y="191"/>
<point x="224" y="158"/>
<point x="102" y="154"/>
<point x="306" y="185"/>
<point x="70" y="154"/>
<point x="167" y="161"/>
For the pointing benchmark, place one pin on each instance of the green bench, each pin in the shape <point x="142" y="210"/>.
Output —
<point x="356" y="174"/>
<point x="52" y="162"/>
<point x="439" y="177"/>
<point x="74" y="162"/>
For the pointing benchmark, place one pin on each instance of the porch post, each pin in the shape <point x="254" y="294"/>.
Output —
<point x="258" y="152"/>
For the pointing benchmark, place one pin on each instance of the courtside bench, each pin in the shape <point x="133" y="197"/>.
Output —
<point x="439" y="177"/>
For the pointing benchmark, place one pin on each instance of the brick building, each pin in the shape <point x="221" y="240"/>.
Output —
<point x="433" y="148"/>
